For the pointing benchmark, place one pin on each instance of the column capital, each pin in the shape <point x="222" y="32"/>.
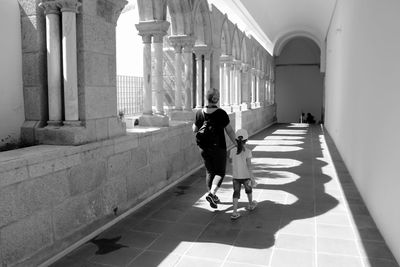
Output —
<point x="146" y="38"/>
<point x="50" y="7"/>
<point x="237" y="63"/>
<point x="158" y="37"/>
<point x="201" y="49"/>
<point x="245" y="67"/>
<point x="179" y="42"/>
<point x="153" y="27"/>
<point x="226" y="59"/>
<point x="69" y="5"/>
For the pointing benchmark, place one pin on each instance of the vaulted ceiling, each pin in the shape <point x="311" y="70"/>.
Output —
<point x="275" y="22"/>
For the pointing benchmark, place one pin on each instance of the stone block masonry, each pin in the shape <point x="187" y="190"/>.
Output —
<point x="53" y="196"/>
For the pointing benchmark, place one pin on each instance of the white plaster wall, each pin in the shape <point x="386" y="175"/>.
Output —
<point x="11" y="98"/>
<point x="362" y="104"/>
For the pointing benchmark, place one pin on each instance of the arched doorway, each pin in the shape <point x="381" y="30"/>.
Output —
<point x="299" y="82"/>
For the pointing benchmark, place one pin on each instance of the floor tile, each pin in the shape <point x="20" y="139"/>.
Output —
<point x="290" y="258"/>
<point x="298" y="228"/>
<point x="254" y="239"/>
<point x="295" y="242"/>
<point x="170" y="244"/>
<point x="334" y="219"/>
<point x="156" y="259"/>
<point x="327" y="260"/>
<point x="209" y="250"/>
<point x="187" y="261"/>
<point x="120" y="257"/>
<point x="245" y="255"/>
<point x="335" y="231"/>
<point x="219" y="234"/>
<point x="337" y="246"/>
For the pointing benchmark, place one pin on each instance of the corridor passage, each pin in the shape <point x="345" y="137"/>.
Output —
<point x="309" y="214"/>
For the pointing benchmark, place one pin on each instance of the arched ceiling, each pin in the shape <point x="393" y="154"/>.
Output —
<point x="274" y="22"/>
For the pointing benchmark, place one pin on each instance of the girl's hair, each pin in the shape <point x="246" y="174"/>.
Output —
<point x="240" y="145"/>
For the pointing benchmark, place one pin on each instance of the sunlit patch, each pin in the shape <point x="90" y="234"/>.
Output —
<point x="290" y="199"/>
<point x="298" y="125"/>
<point x="276" y="148"/>
<point x="278" y="197"/>
<point x="276" y="142"/>
<point x="283" y="137"/>
<point x="290" y="132"/>
<point x="275" y="177"/>
<point x="275" y="163"/>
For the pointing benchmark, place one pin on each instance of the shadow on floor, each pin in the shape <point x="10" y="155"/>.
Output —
<point x="297" y="183"/>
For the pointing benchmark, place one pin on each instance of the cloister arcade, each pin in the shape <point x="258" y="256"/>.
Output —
<point x="81" y="163"/>
<point x="210" y="51"/>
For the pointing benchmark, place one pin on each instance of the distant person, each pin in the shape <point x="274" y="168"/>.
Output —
<point x="213" y="148"/>
<point x="310" y="118"/>
<point x="242" y="172"/>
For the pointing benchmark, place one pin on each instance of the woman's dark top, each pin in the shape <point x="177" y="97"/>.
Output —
<point x="219" y="118"/>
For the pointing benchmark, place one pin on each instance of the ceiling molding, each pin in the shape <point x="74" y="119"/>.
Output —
<point x="238" y="14"/>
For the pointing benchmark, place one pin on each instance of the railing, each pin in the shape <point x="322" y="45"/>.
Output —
<point x="129" y="95"/>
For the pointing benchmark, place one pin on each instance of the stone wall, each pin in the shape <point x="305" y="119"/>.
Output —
<point x="53" y="196"/>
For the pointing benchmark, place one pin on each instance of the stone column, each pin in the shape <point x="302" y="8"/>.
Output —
<point x="253" y="88"/>
<point x="221" y="83"/>
<point x="158" y="74"/>
<point x="182" y="43"/>
<point x="232" y="83"/>
<point x="147" y="90"/>
<point x="236" y="85"/>
<point x="187" y="54"/>
<point x="157" y="29"/>
<point x="245" y="87"/>
<point x="207" y="72"/>
<point x="227" y="82"/>
<point x="203" y="73"/>
<point x="178" y="77"/>
<point x="53" y="45"/>
<point x="257" y="100"/>
<point x="199" y="79"/>
<point x="69" y="9"/>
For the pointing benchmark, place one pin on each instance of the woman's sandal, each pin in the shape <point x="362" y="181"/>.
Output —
<point x="235" y="216"/>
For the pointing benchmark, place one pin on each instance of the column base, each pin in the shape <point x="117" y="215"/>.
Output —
<point x="236" y="108"/>
<point x="64" y="135"/>
<point x="81" y="132"/>
<point x="153" y="120"/>
<point x="28" y="131"/>
<point x="253" y="105"/>
<point x="228" y="109"/>
<point x="54" y="123"/>
<point x="244" y="106"/>
<point x="182" y="115"/>
<point x="72" y="123"/>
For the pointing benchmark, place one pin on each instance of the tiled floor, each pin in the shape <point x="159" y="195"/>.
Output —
<point x="309" y="214"/>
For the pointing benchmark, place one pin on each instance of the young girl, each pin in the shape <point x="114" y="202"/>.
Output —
<point x="242" y="172"/>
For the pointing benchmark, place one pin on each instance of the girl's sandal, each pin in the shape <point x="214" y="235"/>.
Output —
<point x="251" y="206"/>
<point x="235" y="216"/>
